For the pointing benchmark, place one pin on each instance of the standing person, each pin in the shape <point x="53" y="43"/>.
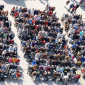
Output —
<point x="71" y="7"/>
<point x="81" y="1"/>
<point x="75" y="8"/>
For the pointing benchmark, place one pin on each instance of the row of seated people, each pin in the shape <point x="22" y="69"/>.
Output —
<point x="76" y="33"/>
<point x="46" y="73"/>
<point x="8" y="51"/>
<point x="43" y="42"/>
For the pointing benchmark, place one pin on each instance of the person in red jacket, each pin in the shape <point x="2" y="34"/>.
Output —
<point x="50" y="13"/>
<point x="77" y="77"/>
<point x="16" y="14"/>
<point x="18" y="75"/>
<point x="36" y="27"/>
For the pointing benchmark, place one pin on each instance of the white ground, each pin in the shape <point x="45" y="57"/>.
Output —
<point x="37" y="4"/>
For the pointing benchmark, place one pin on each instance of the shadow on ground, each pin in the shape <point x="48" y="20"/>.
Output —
<point x="42" y="2"/>
<point x="16" y="2"/>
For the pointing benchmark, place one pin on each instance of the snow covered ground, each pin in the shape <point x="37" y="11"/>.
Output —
<point x="37" y="4"/>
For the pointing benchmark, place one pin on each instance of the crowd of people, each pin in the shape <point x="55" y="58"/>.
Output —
<point x="44" y="44"/>
<point x="8" y="50"/>
<point x="50" y="55"/>
<point x="75" y="29"/>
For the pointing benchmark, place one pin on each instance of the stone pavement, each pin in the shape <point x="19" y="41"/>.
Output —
<point x="37" y="4"/>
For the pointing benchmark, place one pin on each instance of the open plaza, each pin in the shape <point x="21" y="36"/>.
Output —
<point x="42" y="42"/>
